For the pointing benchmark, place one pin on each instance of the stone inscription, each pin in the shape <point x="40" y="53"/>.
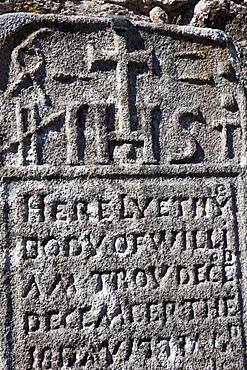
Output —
<point x="97" y="266"/>
<point x="121" y="206"/>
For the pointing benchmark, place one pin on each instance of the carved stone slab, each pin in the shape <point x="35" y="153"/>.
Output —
<point x="122" y="196"/>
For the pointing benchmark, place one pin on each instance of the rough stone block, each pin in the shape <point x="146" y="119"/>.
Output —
<point x="122" y="196"/>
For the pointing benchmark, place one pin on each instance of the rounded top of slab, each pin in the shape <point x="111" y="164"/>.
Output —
<point x="13" y="22"/>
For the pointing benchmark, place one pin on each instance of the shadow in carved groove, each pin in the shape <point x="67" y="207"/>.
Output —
<point x="156" y="121"/>
<point x="81" y="124"/>
<point x="230" y="141"/>
<point x="134" y="71"/>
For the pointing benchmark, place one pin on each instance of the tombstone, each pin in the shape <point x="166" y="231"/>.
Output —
<point x="122" y="196"/>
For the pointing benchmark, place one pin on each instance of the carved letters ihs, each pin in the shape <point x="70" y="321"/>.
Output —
<point x="121" y="129"/>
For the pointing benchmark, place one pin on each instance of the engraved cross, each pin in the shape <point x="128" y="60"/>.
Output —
<point x="227" y="127"/>
<point x="227" y="123"/>
<point x="122" y="59"/>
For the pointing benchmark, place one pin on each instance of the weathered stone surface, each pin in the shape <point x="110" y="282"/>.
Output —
<point x="122" y="196"/>
<point x="227" y="15"/>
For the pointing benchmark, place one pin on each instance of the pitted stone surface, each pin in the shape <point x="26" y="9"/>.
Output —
<point x="122" y="196"/>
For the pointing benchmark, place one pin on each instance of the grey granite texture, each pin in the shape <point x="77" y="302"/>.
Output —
<point x="122" y="196"/>
<point x="227" y="15"/>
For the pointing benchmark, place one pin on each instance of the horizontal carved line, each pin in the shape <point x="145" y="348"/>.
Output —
<point x="126" y="170"/>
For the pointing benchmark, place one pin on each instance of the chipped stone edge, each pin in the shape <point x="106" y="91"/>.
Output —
<point x="208" y="33"/>
<point x="13" y="22"/>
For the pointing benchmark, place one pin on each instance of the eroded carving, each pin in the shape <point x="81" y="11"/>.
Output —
<point x="121" y="210"/>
